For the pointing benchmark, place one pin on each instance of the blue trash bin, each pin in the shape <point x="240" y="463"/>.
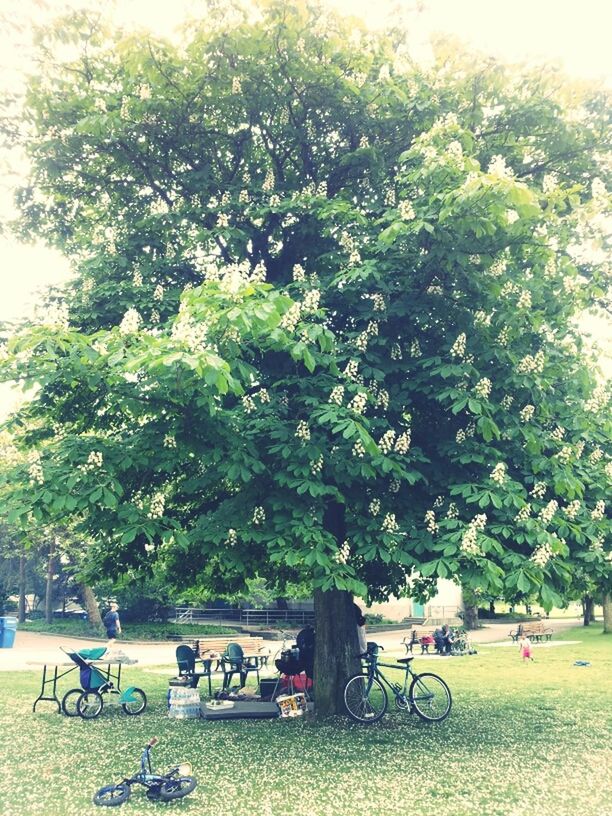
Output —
<point x="8" y="627"/>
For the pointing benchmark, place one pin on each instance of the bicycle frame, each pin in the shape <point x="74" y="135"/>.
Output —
<point x="373" y="664"/>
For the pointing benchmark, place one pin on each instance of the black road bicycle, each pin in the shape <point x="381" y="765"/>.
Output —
<point x="366" y="698"/>
<point x="174" y="784"/>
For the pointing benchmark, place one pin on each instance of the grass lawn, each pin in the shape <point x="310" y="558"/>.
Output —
<point x="130" y="631"/>
<point x="521" y="740"/>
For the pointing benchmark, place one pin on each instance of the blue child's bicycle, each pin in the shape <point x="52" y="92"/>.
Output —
<point x="174" y="784"/>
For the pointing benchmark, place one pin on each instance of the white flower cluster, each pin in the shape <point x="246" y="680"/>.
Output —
<point x="469" y="539"/>
<point x="236" y="85"/>
<point x="481" y="318"/>
<point x="506" y="401"/>
<point x="524" y="300"/>
<point x="538" y="491"/>
<point x="144" y="92"/>
<point x="608" y="469"/>
<point x="291" y="317"/>
<point x="453" y="511"/>
<point x="542" y="555"/>
<point x="389" y="524"/>
<point x="498" y="267"/>
<point x="598" y="190"/>
<point x="382" y="399"/>
<point x="531" y="364"/>
<point x="402" y="443"/>
<point x="547" y="513"/>
<point x="597" y="400"/>
<point x="275" y="200"/>
<point x="223" y="220"/>
<point x="455" y="150"/>
<point x="131" y="322"/>
<point x="94" y="460"/>
<point x="390" y="198"/>
<point x="374" y="507"/>
<point x="259" y="515"/>
<point x="299" y="273"/>
<point x="343" y="554"/>
<point x="243" y="197"/>
<point x="509" y="288"/>
<point x="55" y="317"/>
<point x="599" y="511"/>
<point x="504" y="336"/>
<point x="169" y="441"/>
<point x="550" y="183"/>
<point x="526" y="413"/>
<point x="595" y="455"/>
<point x="523" y="514"/>
<point x="458" y="347"/>
<point x="158" y="292"/>
<point x="35" y="470"/>
<point x="185" y="330"/>
<point x="316" y="466"/>
<point x="303" y="431"/>
<point x="597" y="544"/>
<point x="232" y="537"/>
<point x="351" y="371"/>
<point x="430" y="522"/>
<point x="572" y="509"/>
<point x="358" y="403"/>
<point x="378" y="301"/>
<point x="415" y="349"/>
<point x="558" y="433"/>
<point x="394" y="486"/>
<point x="396" y="351"/>
<point x="311" y="301"/>
<point x="406" y="211"/>
<point x="358" y="449"/>
<point x="460" y="436"/>
<point x="268" y="182"/>
<point x="512" y="216"/>
<point x="483" y="388"/>
<point x="337" y="395"/>
<point x="565" y="454"/>
<point x="248" y="403"/>
<point x="386" y="441"/>
<point x="157" y="506"/>
<point x="263" y="395"/>
<point x="497" y="167"/>
<point x="498" y="474"/>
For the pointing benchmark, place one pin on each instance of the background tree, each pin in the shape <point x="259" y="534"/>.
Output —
<point x="323" y="325"/>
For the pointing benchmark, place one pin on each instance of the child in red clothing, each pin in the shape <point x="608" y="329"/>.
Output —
<point x="525" y="648"/>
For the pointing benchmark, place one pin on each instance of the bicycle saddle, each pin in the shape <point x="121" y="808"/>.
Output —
<point x="404" y="659"/>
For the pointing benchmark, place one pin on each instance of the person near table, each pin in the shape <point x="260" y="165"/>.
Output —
<point x="112" y="623"/>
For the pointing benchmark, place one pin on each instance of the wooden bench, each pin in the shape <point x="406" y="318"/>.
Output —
<point x="416" y="636"/>
<point x="535" y="630"/>
<point x="204" y="647"/>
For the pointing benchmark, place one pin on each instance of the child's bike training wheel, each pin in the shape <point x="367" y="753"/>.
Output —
<point x="135" y="701"/>
<point x="69" y="702"/>
<point x="89" y="705"/>
<point x="112" y="795"/>
<point x="176" y="788"/>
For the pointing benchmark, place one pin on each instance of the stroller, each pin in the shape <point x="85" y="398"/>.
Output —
<point x="88" y="701"/>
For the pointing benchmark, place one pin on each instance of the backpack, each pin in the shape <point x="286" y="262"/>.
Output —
<point x="305" y="641"/>
<point x="109" y="619"/>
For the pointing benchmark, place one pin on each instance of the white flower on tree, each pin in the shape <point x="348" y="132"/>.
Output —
<point x="498" y="474"/>
<point x="131" y="322"/>
<point x="303" y="431"/>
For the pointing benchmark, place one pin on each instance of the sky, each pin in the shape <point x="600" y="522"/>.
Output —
<point x="573" y="35"/>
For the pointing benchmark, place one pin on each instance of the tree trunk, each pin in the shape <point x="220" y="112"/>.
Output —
<point x="49" y="588"/>
<point x="336" y="643"/>
<point x="91" y="605"/>
<point x="607" y="612"/>
<point x="21" y="608"/>
<point x="587" y="610"/>
<point x="470" y="617"/>
<point x="492" y="608"/>
<point x="336" y="649"/>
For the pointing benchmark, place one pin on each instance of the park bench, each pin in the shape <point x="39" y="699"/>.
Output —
<point x="535" y="630"/>
<point x="416" y="635"/>
<point x="205" y="646"/>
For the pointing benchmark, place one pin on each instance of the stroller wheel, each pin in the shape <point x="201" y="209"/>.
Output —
<point x="69" y="702"/>
<point x="89" y="705"/>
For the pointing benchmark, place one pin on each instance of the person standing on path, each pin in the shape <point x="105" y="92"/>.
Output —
<point x="112" y="623"/>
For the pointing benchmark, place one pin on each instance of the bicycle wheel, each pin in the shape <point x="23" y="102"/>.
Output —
<point x="112" y="795"/>
<point x="430" y="697"/>
<point x="69" y="702"/>
<point x="176" y="788"/>
<point x="365" y="699"/>
<point x="137" y="703"/>
<point x="89" y="705"/>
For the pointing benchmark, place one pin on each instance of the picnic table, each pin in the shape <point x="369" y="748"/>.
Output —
<point x="52" y="672"/>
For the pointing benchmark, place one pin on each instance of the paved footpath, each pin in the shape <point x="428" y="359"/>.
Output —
<point x="32" y="646"/>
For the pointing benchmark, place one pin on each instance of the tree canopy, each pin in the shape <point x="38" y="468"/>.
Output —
<point x="323" y="322"/>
